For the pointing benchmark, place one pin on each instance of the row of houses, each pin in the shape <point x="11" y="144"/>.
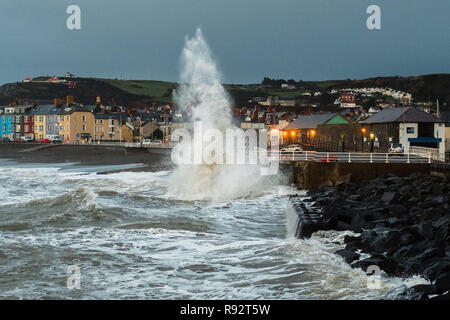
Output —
<point x="77" y="123"/>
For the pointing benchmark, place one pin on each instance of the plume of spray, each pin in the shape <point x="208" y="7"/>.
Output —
<point x="202" y="96"/>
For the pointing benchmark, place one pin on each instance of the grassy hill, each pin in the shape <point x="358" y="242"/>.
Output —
<point x="137" y="92"/>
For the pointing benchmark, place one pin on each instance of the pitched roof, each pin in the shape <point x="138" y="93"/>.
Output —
<point x="117" y="116"/>
<point x="45" y="109"/>
<point x="404" y="114"/>
<point x="445" y="115"/>
<point x="310" y="121"/>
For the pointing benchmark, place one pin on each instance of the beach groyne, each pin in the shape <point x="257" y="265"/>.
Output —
<point x="402" y="224"/>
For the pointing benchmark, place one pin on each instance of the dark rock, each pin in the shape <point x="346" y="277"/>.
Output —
<point x="420" y="291"/>
<point x="397" y="210"/>
<point x="442" y="283"/>
<point x="405" y="189"/>
<point x="436" y="189"/>
<point x="407" y="239"/>
<point x="411" y="267"/>
<point x="349" y="238"/>
<point x="426" y="230"/>
<point x="442" y="297"/>
<point x="434" y="201"/>
<point x="430" y="214"/>
<point x="436" y="268"/>
<point x="393" y="239"/>
<point x="343" y="226"/>
<point x="428" y="254"/>
<point x="388" y="197"/>
<point x="401" y="253"/>
<point x="354" y="197"/>
<point x="364" y="263"/>
<point x="348" y="255"/>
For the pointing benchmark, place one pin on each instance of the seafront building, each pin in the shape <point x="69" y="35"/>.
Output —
<point x="6" y="128"/>
<point x="76" y="123"/>
<point x="45" y="122"/>
<point x="409" y="127"/>
<point x="108" y="127"/>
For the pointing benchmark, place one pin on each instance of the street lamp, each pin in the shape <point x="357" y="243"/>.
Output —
<point x="363" y="130"/>
<point x="372" y="136"/>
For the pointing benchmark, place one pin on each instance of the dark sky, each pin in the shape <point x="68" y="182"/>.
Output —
<point x="299" y="39"/>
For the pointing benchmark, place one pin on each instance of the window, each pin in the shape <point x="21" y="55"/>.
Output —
<point x="84" y="118"/>
<point x="61" y="118"/>
<point x="84" y="127"/>
<point x="61" y="127"/>
<point x="41" y="128"/>
<point x="410" y="130"/>
<point x="41" y="118"/>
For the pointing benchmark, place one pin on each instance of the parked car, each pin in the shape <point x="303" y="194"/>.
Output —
<point x="396" y="148"/>
<point x="157" y="142"/>
<point x="45" y="141"/>
<point x="6" y="140"/>
<point x="292" y="148"/>
<point x="27" y="139"/>
<point x="19" y="140"/>
<point x="146" y="141"/>
<point x="57" y="141"/>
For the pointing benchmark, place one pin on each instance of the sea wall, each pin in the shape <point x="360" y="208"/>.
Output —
<point x="309" y="175"/>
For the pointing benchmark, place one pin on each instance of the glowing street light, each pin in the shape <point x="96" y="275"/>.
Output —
<point x="312" y="133"/>
<point x="372" y="135"/>
<point x="363" y="130"/>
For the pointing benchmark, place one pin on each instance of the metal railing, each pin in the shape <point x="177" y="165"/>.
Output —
<point x="357" y="157"/>
<point x="122" y="144"/>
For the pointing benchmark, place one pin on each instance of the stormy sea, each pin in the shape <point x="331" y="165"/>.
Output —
<point x="192" y="232"/>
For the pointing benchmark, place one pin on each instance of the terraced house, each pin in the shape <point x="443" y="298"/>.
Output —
<point x="76" y="123"/>
<point x="108" y="127"/>
<point x="45" y="122"/>
<point x="22" y="124"/>
<point x="6" y="128"/>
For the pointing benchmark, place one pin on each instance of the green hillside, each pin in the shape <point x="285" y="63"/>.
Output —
<point x="143" y="92"/>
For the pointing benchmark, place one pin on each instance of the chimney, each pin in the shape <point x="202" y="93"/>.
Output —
<point x="69" y="100"/>
<point x="57" y="102"/>
<point x="98" y="100"/>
